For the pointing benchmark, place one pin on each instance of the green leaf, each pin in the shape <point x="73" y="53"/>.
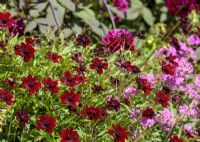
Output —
<point x="30" y="26"/>
<point x="136" y="3"/>
<point x="197" y="52"/>
<point x="68" y="4"/>
<point x="148" y="16"/>
<point x="116" y="11"/>
<point x="102" y="133"/>
<point x="132" y="13"/>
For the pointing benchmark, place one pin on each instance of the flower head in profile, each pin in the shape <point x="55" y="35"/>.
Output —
<point x="6" y="97"/>
<point x="68" y="135"/>
<point x="46" y="123"/>
<point x="118" y="132"/>
<point x="117" y="39"/>
<point x="144" y="85"/>
<point x="2" y="46"/>
<point x="30" y="41"/>
<point x="31" y="83"/>
<point x="97" y="89"/>
<point x="70" y="98"/>
<point x="5" y="20"/>
<point x="26" y="51"/>
<point x="22" y="117"/>
<point x="162" y="99"/>
<point x="50" y="85"/>
<point x="91" y="113"/>
<point x="83" y="40"/>
<point x="53" y="57"/>
<point x="77" y="57"/>
<point x="175" y="139"/>
<point x="10" y="83"/>
<point x="99" y="65"/>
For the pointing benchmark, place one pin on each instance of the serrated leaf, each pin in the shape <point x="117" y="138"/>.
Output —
<point x="148" y="16"/>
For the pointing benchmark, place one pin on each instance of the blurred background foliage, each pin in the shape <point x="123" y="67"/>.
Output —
<point x="73" y="16"/>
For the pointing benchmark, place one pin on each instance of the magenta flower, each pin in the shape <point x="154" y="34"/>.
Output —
<point x="121" y="5"/>
<point x="180" y="7"/>
<point x="115" y="39"/>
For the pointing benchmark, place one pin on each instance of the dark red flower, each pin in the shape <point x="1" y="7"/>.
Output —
<point x="45" y="123"/>
<point x="99" y="65"/>
<point x="104" y="113"/>
<point x="92" y="113"/>
<point x="30" y="41"/>
<point x="80" y="69"/>
<point x="5" y="20"/>
<point x="114" y="81"/>
<point x="10" y="83"/>
<point x="175" y="139"/>
<point x="97" y="51"/>
<point x="83" y="40"/>
<point x="166" y="90"/>
<point x="144" y="85"/>
<point x="26" y="51"/>
<point x="17" y="28"/>
<point x="97" y="89"/>
<point x="118" y="132"/>
<point x="172" y="59"/>
<point x="162" y="99"/>
<point x="81" y="79"/>
<point x="187" y="133"/>
<point x="135" y="70"/>
<point x="113" y="104"/>
<point x="70" y="98"/>
<point x="77" y="58"/>
<point x="2" y="46"/>
<point x="6" y="97"/>
<point x="22" y="117"/>
<point x="31" y="84"/>
<point x="184" y="24"/>
<point x="167" y="68"/>
<point x="53" y="57"/>
<point x="180" y="7"/>
<point x="140" y="35"/>
<point x="69" y="80"/>
<point x="69" y="135"/>
<point x="174" y="42"/>
<point x="124" y="65"/>
<point x="148" y="113"/>
<point x="50" y="85"/>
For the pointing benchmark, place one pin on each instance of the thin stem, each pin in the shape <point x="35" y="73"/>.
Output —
<point x="54" y="15"/>
<point x="110" y="13"/>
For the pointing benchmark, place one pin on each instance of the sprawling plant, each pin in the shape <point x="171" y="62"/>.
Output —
<point x="121" y="88"/>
